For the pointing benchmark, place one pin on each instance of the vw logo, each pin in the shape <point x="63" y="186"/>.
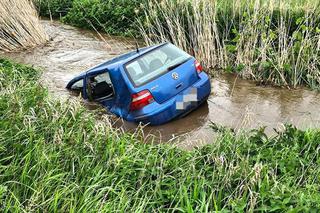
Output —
<point x="175" y="75"/>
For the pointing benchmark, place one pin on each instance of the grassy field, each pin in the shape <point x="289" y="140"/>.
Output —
<point x="58" y="157"/>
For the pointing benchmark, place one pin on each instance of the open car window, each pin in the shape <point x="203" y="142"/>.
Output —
<point x="155" y="63"/>
<point x="77" y="86"/>
<point x="100" y="87"/>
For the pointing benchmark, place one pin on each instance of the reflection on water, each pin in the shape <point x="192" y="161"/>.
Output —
<point x="239" y="103"/>
<point x="234" y="102"/>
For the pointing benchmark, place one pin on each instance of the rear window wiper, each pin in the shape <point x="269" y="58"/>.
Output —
<point x="172" y="67"/>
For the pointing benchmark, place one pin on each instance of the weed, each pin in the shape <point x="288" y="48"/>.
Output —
<point x="58" y="157"/>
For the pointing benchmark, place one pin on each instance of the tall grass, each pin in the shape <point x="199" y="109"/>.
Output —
<point x="272" y="41"/>
<point x="58" y="157"/>
<point x="19" y="25"/>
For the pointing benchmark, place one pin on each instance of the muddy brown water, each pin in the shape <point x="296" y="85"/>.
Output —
<point x="234" y="102"/>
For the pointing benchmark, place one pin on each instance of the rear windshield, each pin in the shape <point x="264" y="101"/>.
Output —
<point x="155" y="63"/>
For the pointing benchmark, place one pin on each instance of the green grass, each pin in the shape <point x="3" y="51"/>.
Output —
<point x="58" y="157"/>
<point x="115" y="17"/>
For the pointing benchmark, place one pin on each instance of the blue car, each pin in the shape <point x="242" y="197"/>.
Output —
<point x="150" y="85"/>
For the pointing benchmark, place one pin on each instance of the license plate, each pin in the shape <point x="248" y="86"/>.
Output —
<point x="188" y="98"/>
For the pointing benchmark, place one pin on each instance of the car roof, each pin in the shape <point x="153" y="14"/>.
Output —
<point x="122" y="59"/>
<point x="113" y="64"/>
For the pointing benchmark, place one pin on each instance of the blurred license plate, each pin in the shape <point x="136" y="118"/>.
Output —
<point x="188" y="98"/>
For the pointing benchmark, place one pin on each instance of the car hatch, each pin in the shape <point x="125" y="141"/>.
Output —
<point x="174" y="81"/>
<point x="165" y="72"/>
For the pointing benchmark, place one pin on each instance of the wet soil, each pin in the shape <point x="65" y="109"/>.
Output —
<point x="234" y="102"/>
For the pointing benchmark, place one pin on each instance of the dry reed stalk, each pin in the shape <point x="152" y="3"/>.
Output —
<point x="19" y="25"/>
<point x="256" y="40"/>
<point x="197" y="34"/>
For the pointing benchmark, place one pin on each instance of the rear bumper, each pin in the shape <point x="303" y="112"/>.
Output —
<point x="156" y="114"/>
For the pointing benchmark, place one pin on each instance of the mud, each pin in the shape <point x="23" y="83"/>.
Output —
<point x="234" y="102"/>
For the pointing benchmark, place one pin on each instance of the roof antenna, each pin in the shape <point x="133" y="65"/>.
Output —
<point x="136" y="42"/>
<point x="137" y="47"/>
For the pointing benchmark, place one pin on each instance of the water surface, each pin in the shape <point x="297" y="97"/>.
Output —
<point x="234" y="102"/>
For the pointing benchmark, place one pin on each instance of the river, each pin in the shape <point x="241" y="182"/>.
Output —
<point x="234" y="102"/>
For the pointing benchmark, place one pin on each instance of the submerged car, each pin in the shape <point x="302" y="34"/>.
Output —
<point x="150" y="85"/>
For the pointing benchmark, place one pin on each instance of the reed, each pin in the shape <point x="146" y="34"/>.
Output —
<point x="266" y="40"/>
<point x="19" y="25"/>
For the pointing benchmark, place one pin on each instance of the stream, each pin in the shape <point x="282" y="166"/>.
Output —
<point x="234" y="102"/>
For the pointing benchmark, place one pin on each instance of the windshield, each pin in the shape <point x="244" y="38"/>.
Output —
<point x="155" y="63"/>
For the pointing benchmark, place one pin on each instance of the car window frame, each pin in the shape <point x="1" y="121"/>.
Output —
<point x="87" y="76"/>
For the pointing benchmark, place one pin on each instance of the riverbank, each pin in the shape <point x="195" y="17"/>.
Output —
<point x="234" y="102"/>
<point x="270" y="41"/>
<point x="56" y="156"/>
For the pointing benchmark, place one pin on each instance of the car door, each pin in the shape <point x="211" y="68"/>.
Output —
<point x="100" y="88"/>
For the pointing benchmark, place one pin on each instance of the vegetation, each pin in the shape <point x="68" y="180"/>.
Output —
<point x="57" y="156"/>
<point x="272" y="41"/>
<point x="116" y="17"/>
<point x="19" y="26"/>
<point x="53" y="8"/>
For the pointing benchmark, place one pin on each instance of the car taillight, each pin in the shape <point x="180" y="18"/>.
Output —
<point x="141" y="99"/>
<point x="198" y="66"/>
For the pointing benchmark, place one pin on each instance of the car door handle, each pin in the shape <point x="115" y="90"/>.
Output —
<point x="178" y="86"/>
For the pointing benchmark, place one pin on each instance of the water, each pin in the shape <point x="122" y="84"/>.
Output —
<point x="234" y="102"/>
